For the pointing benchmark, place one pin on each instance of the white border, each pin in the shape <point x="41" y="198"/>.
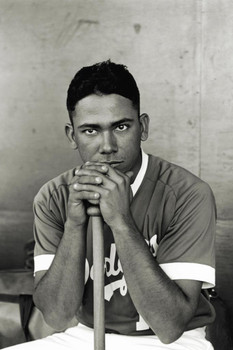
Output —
<point x="43" y="262"/>
<point x="190" y="271"/>
<point x="139" y="178"/>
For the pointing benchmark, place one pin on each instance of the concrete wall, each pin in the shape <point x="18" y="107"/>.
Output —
<point x="180" y="53"/>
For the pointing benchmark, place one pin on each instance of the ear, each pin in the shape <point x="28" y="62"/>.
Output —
<point x="70" y="135"/>
<point x="144" y="122"/>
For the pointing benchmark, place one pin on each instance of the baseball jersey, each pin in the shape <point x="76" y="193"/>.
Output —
<point x="175" y="212"/>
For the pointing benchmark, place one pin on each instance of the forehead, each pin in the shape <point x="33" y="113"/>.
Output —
<point x="100" y="108"/>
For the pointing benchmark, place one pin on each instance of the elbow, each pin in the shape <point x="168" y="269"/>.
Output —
<point x="174" y="328"/>
<point x="170" y="336"/>
<point x="58" y="321"/>
<point x="53" y="320"/>
<point x="170" y="333"/>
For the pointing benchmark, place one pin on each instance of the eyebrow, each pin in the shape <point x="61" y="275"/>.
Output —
<point x="97" y="126"/>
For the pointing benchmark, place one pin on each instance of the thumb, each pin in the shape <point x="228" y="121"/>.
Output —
<point x="129" y="174"/>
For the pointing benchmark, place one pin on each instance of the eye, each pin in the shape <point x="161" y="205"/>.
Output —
<point x="90" y="132"/>
<point x="122" y="127"/>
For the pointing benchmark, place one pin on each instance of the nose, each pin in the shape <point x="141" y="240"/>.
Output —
<point x="108" y="143"/>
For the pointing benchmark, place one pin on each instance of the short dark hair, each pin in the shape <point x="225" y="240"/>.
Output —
<point x="100" y="79"/>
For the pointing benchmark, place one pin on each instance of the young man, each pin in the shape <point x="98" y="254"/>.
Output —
<point x="158" y="232"/>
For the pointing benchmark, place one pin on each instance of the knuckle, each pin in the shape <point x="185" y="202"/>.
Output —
<point x="107" y="193"/>
<point x="77" y="170"/>
<point x="121" y="181"/>
<point x="113" y="186"/>
<point x="76" y="186"/>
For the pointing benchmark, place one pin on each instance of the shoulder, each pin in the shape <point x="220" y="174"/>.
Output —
<point x="178" y="180"/>
<point x="54" y="187"/>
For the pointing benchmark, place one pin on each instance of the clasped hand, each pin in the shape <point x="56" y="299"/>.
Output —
<point x="104" y="186"/>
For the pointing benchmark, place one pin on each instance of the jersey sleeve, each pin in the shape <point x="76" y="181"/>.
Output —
<point x="48" y="230"/>
<point x="187" y="249"/>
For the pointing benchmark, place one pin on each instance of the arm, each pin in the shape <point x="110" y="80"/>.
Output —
<point x="58" y="294"/>
<point x="167" y="306"/>
<point x="58" y="291"/>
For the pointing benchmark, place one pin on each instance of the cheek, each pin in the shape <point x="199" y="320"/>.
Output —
<point x="132" y="142"/>
<point x="86" y="149"/>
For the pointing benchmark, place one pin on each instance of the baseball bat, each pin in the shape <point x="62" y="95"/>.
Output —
<point x="98" y="272"/>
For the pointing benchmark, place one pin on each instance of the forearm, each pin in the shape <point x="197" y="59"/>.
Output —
<point x="167" y="306"/>
<point x="159" y="300"/>
<point x="59" y="293"/>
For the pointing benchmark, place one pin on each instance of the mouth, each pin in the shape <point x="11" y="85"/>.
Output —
<point x="113" y="163"/>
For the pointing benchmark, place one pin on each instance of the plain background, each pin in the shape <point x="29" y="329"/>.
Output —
<point x="181" y="54"/>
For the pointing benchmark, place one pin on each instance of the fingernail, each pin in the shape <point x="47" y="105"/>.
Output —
<point x="104" y="167"/>
<point x="96" y="195"/>
<point x="75" y="186"/>
<point x="98" y="179"/>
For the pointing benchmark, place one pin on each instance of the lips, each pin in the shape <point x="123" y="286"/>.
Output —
<point x="113" y="163"/>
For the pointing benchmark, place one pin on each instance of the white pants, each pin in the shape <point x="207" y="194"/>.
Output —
<point x="81" y="337"/>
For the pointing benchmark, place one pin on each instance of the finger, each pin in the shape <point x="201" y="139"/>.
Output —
<point x="130" y="174"/>
<point x="90" y="179"/>
<point x="77" y="169"/>
<point x="88" y="188"/>
<point x="117" y="175"/>
<point x="90" y="164"/>
<point x="94" y="201"/>
<point x="102" y="180"/>
<point x="93" y="168"/>
<point x="87" y="195"/>
<point x="76" y="203"/>
<point x="93" y="211"/>
<point x="98" y="167"/>
<point x="114" y="174"/>
<point x="87" y="176"/>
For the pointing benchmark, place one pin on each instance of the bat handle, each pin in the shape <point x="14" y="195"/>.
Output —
<point x="98" y="272"/>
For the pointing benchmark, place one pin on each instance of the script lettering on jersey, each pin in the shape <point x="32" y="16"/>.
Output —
<point x="113" y="267"/>
<point x="110" y="270"/>
<point x="152" y="243"/>
<point x="110" y="263"/>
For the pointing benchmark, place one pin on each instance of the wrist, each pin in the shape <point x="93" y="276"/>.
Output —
<point x="72" y="226"/>
<point x="122" y="222"/>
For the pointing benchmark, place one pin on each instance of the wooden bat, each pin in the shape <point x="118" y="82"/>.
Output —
<point x="98" y="271"/>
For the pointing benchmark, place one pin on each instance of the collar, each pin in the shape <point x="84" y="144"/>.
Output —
<point x="138" y="180"/>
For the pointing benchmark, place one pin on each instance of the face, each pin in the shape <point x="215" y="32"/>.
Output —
<point x="107" y="129"/>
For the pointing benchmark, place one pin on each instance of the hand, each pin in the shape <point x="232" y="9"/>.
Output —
<point x="77" y="211"/>
<point x="111" y="187"/>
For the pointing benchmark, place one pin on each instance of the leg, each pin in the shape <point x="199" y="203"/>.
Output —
<point x="82" y="338"/>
